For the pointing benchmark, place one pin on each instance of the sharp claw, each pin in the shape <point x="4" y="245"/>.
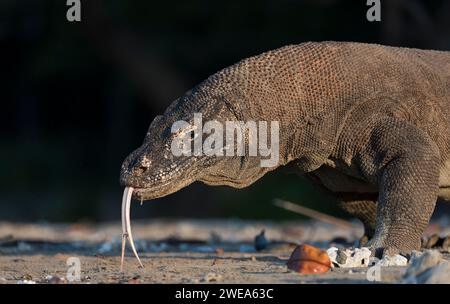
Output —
<point x="126" y="226"/>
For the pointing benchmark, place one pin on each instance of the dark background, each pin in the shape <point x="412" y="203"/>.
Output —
<point x="77" y="97"/>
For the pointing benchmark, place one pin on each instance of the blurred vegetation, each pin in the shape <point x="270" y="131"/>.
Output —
<point x="78" y="97"/>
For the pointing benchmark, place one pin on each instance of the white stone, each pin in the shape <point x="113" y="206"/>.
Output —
<point x="396" y="260"/>
<point x="358" y="257"/>
<point x="332" y="254"/>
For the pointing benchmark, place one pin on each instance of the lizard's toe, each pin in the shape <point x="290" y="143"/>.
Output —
<point x="380" y="250"/>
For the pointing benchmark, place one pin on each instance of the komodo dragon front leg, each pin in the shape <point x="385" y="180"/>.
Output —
<point x="361" y="205"/>
<point x="404" y="162"/>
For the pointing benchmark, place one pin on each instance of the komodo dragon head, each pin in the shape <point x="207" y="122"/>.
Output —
<point x="154" y="170"/>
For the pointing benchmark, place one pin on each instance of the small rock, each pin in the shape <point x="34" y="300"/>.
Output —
<point x="429" y="268"/>
<point x="361" y="257"/>
<point x="348" y="258"/>
<point x="421" y="263"/>
<point x="341" y="256"/>
<point x="306" y="259"/>
<point x="332" y="254"/>
<point x="261" y="241"/>
<point x="396" y="260"/>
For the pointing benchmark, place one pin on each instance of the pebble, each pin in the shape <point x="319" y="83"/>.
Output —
<point x="419" y="263"/>
<point x="307" y="259"/>
<point x="396" y="260"/>
<point x="348" y="258"/>
<point x="332" y="254"/>
<point x="428" y="268"/>
<point x="341" y="256"/>
<point x="261" y="241"/>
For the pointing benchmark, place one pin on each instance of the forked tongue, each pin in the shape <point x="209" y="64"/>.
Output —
<point x="126" y="226"/>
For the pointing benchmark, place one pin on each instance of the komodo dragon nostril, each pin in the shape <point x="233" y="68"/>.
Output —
<point x="141" y="165"/>
<point x="144" y="164"/>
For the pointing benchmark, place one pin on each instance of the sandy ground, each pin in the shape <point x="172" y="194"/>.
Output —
<point x="176" y="252"/>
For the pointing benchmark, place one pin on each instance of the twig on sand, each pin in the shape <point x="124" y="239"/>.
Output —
<point x="313" y="214"/>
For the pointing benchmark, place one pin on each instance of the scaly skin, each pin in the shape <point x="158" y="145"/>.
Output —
<point x="362" y="120"/>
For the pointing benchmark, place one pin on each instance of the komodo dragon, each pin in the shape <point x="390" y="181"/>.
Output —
<point x="369" y="123"/>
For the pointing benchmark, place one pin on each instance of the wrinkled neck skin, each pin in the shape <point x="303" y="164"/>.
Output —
<point x="305" y="139"/>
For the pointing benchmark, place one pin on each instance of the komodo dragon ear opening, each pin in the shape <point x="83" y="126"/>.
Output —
<point x="126" y="226"/>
